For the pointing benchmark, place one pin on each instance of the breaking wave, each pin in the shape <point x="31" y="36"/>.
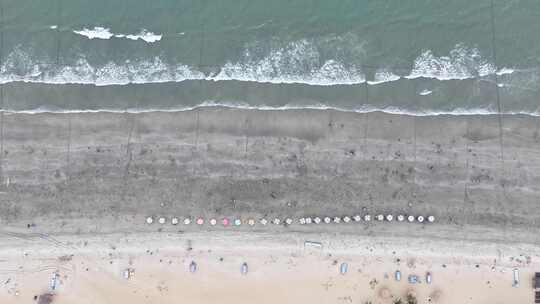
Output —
<point x="304" y="62"/>
<point x="99" y="32"/>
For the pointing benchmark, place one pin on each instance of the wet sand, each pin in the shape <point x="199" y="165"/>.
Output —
<point x="67" y="178"/>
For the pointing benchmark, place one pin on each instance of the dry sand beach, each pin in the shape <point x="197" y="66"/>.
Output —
<point x="77" y="188"/>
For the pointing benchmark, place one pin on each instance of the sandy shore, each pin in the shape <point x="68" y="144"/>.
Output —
<point x="95" y="177"/>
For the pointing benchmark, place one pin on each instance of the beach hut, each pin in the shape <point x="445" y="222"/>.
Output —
<point x="244" y="269"/>
<point x="193" y="267"/>
<point x="149" y="220"/>
<point x="343" y="268"/>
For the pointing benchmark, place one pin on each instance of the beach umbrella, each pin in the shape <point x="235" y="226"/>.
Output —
<point x="161" y="220"/>
<point x="174" y="221"/>
<point x="431" y="219"/>
<point x="420" y="219"/>
<point x="327" y="220"/>
<point x="276" y="221"/>
<point x="213" y="222"/>
<point x="389" y="217"/>
<point x="357" y="218"/>
<point x="263" y="221"/>
<point x="346" y="219"/>
<point x="380" y="217"/>
<point x="187" y="221"/>
<point x="288" y="221"/>
<point x="317" y="220"/>
<point x="367" y="217"/>
<point x="410" y="218"/>
<point x="308" y="220"/>
<point x="237" y="222"/>
<point x="225" y="221"/>
<point x="149" y="220"/>
<point x="200" y="221"/>
<point x="251" y="222"/>
<point x="337" y="219"/>
<point x="302" y="221"/>
<point x="400" y="218"/>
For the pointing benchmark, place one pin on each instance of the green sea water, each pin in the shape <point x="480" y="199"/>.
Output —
<point x="420" y="56"/>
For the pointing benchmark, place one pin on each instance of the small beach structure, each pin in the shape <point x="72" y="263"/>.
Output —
<point x="515" y="277"/>
<point x="380" y="217"/>
<point x="357" y="218"/>
<point x="343" y="268"/>
<point x="367" y="217"/>
<point x="244" y="269"/>
<point x="397" y="275"/>
<point x="317" y="220"/>
<point x="400" y="218"/>
<point x="311" y="244"/>
<point x="237" y="222"/>
<point x="200" y="221"/>
<point x="428" y="277"/>
<point x="55" y="281"/>
<point x="187" y="221"/>
<point x="128" y="273"/>
<point x="308" y="220"/>
<point x="162" y="220"/>
<point x="213" y="221"/>
<point x="149" y="220"/>
<point x="346" y="219"/>
<point x="193" y="267"/>
<point x="537" y="281"/>
<point x="251" y="222"/>
<point x="263" y="221"/>
<point x="389" y="217"/>
<point x="174" y="221"/>
<point x="276" y="221"/>
<point x="288" y="221"/>
<point x="431" y="219"/>
<point x="327" y="220"/>
<point x="413" y="279"/>
<point x="410" y="218"/>
<point x="225" y="221"/>
<point x="420" y="219"/>
<point x="337" y="219"/>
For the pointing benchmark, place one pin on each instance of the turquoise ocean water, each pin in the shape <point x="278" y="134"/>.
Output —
<point x="417" y="56"/>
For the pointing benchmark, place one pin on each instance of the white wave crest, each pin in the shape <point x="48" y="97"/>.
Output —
<point x="99" y="32"/>
<point x="298" y="62"/>
<point x="384" y="75"/>
<point x="289" y="107"/>
<point x="461" y="63"/>
<point x="19" y="66"/>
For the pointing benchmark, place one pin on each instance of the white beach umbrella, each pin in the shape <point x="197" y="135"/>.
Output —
<point x="337" y="219"/>
<point x="149" y="220"/>
<point x="161" y="220"/>
<point x="302" y="221"/>
<point x="431" y="219"/>
<point x="263" y="221"/>
<point x="276" y="221"/>
<point x="400" y="218"/>
<point x="237" y="222"/>
<point x="317" y="220"/>
<point x="327" y="220"/>
<point x="213" y="221"/>
<point x="187" y="221"/>
<point x="288" y="221"/>
<point x="410" y="218"/>
<point x="389" y="217"/>
<point x="346" y="219"/>
<point x="308" y="220"/>
<point x="420" y="219"/>
<point x="380" y="217"/>
<point x="357" y="218"/>
<point x="175" y="221"/>
<point x="367" y="217"/>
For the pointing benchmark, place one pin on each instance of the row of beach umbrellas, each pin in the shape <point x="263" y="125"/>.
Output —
<point x="226" y="221"/>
